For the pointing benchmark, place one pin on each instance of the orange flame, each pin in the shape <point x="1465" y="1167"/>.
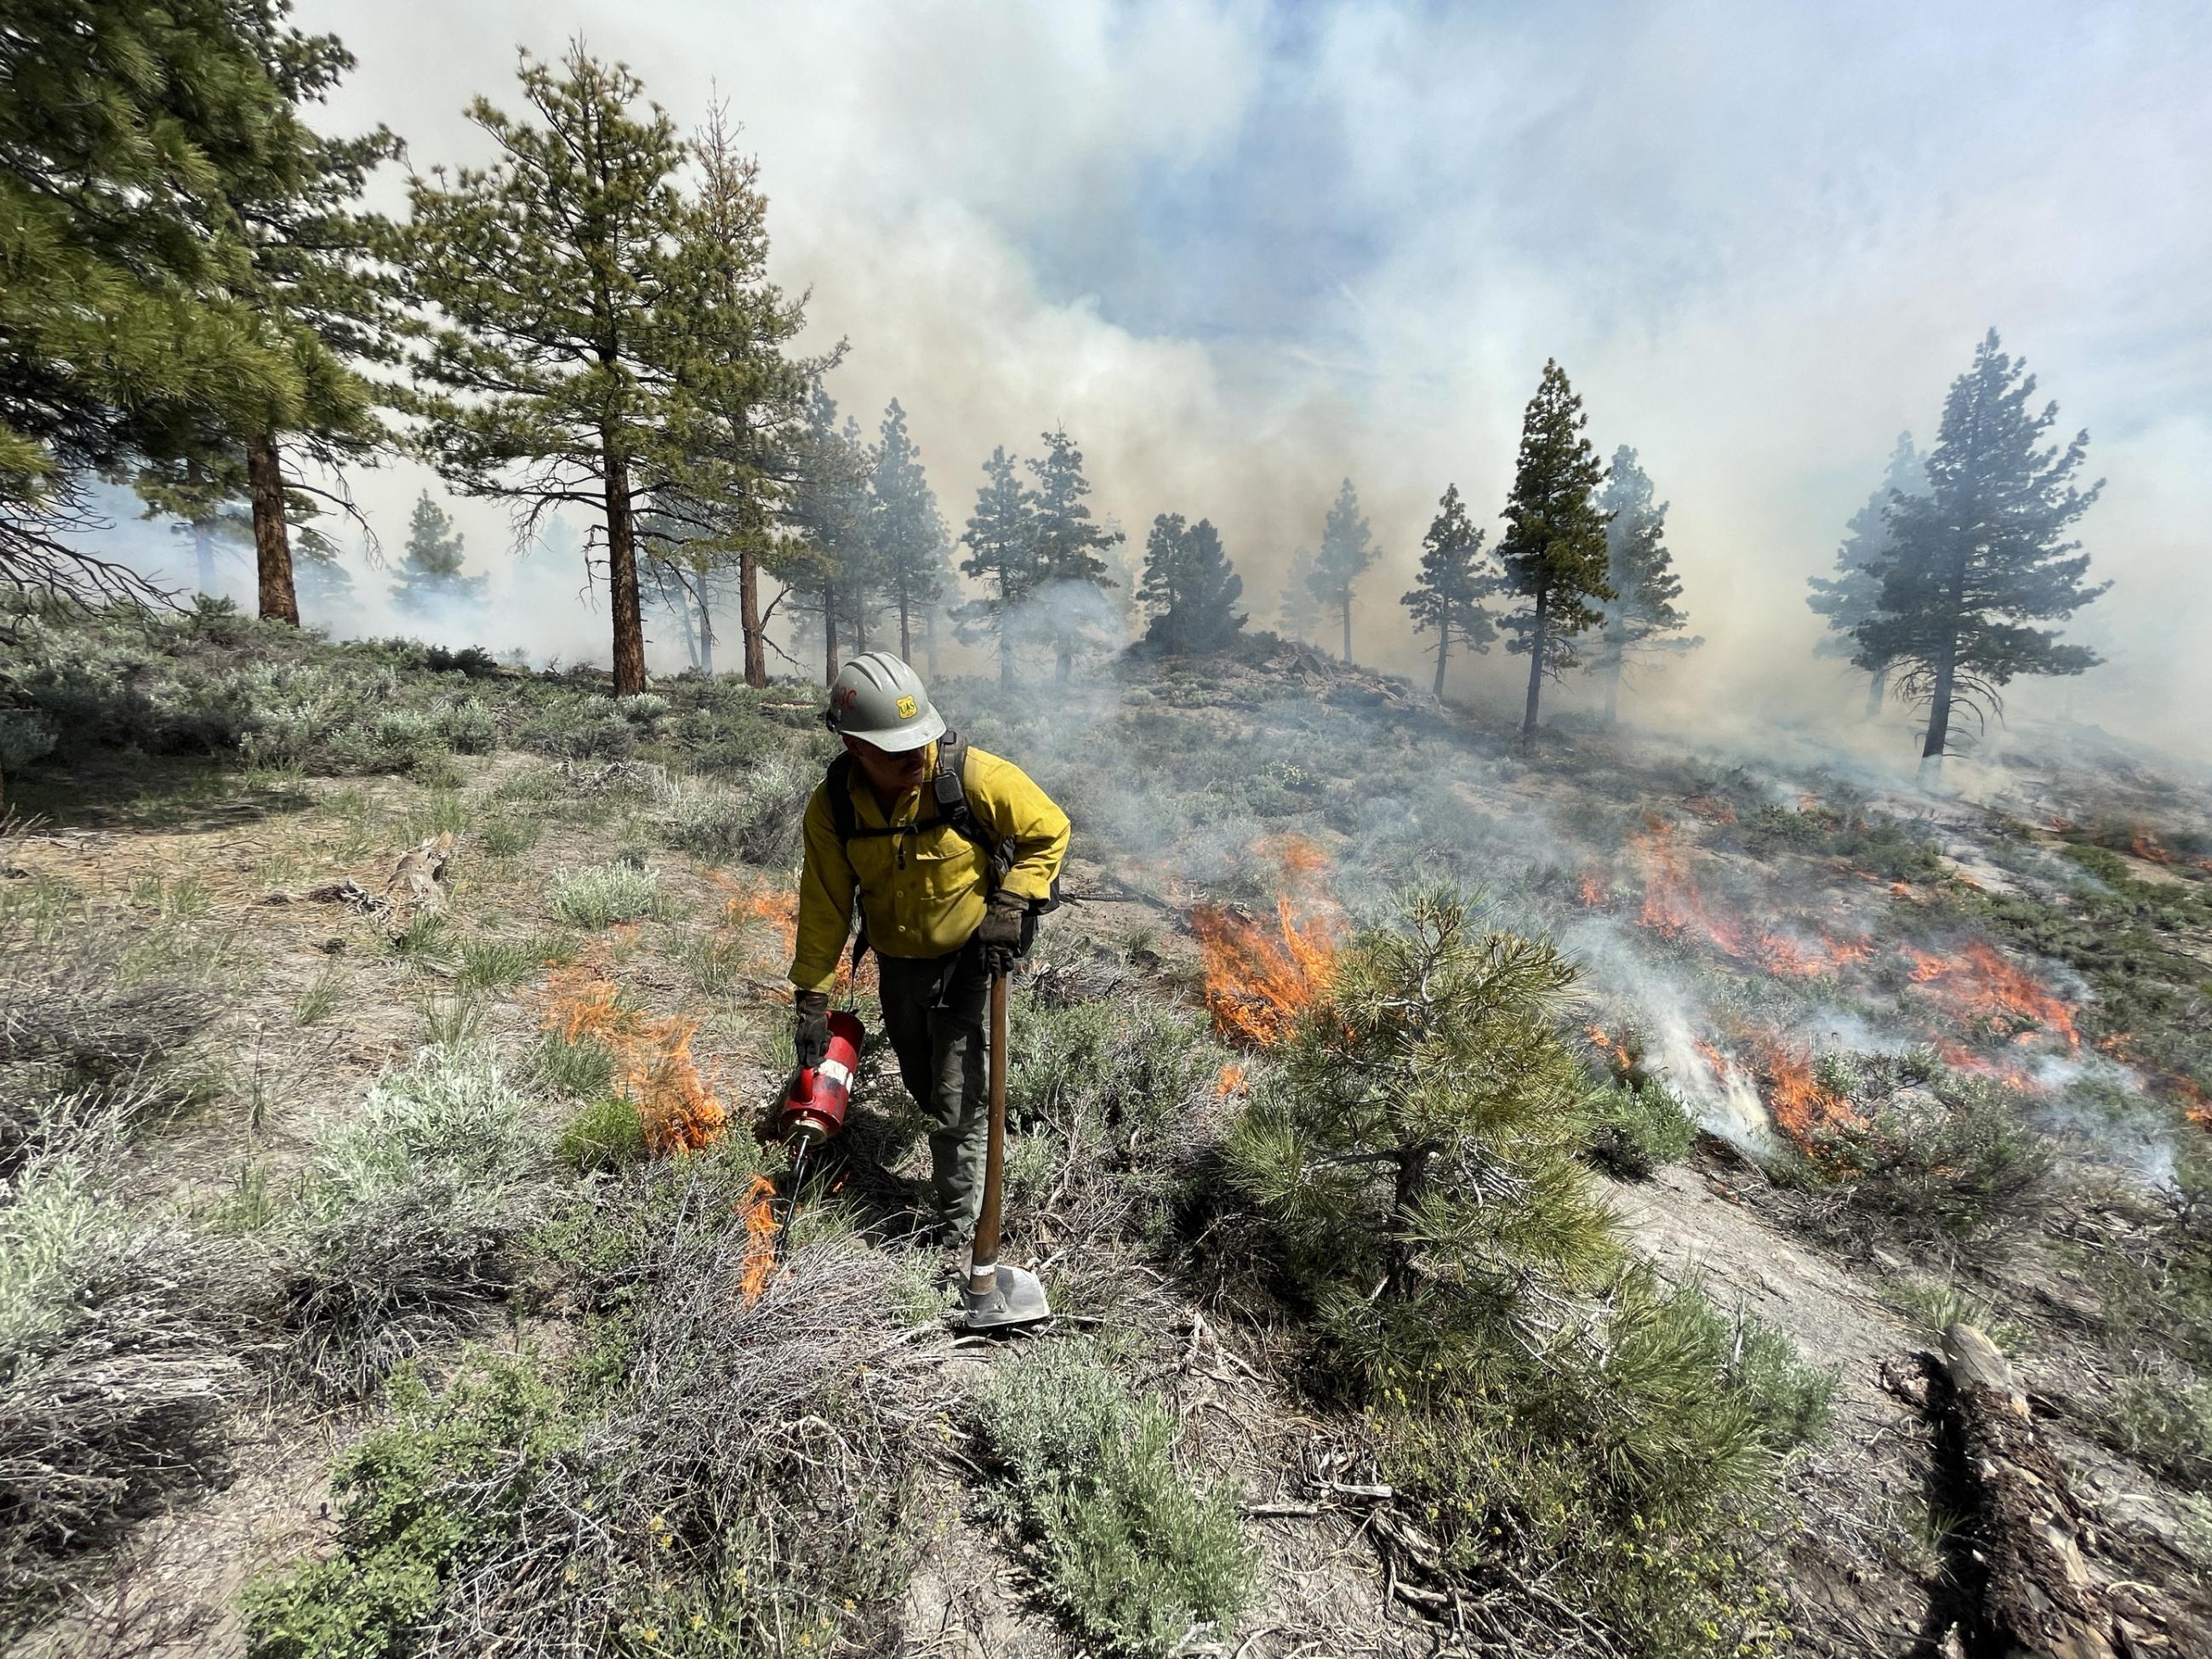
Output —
<point x="2145" y="846"/>
<point x="1592" y="887"/>
<point x="758" y="1207"/>
<point x="1230" y="1080"/>
<point x="1673" y="906"/>
<point x="1715" y="1059"/>
<point x="2194" y="1105"/>
<point x="1801" y="1107"/>
<point x="1982" y="989"/>
<point x="654" y="1070"/>
<point x="1258" y="985"/>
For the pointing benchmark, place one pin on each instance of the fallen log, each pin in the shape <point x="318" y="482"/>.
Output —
<point x="2037" y="1597"/>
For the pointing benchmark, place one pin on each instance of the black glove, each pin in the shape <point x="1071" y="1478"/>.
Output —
<point x="811" y="1036"/>
<point x="1004" y="932"/>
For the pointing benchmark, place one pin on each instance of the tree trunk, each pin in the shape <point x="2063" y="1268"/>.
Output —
<point x="272" y="547"/>
<point x="1536" y="668"/>
<point x="706" y="634"/>
<point x="830" y="633"/>
<point x="2036" y="1594"/>
<point x="1877" y="689"/>
<point x="1443" y="649"/>
<point x="1006" y="652"/>
<point x="748" y="618"/>
<point x="683" y="621"/>
<point x="1947" y="678"/>
<point x="1347" y="626"/>
<point x="1615" y="651"/>
<point x="929" y="638"/>
<point x="203" y="552"/>
<point x="906" y="641"/>
<point x="1412" y="1181"/>
<point x="1064" y="663"/>
<point x="622" y="578"/>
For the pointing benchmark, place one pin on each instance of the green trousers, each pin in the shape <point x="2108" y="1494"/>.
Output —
<point x="934" y="1013"/>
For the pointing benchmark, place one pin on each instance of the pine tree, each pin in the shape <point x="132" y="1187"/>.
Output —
<point x="1455" y="577"/>
<point x="1553" y="551"/>
<point x="1416" y="1148"/>
<point x="999" y="555"/>
<point x="561" y="300"/>
<point x="1853" y="595"/>
<point x="828" y="559"/>
<point x="908" y="532"/>
<point x="133" y="317"/>
<point x="1298" y="612"/>
<point x="1064" y="547"/>
<point x="1642" y="615"/>
<point x="207" y="495"/>
<point x="430" y="568"/>
<point x="1346" y="550"/>
<point x="326" y="585"/>
<point x="1983" y="553"/>
<point x="1190" y="587"/>
<point x="744" y="397"/>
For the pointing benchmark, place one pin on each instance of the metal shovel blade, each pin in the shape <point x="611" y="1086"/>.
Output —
<point x="1015" y="1299"/>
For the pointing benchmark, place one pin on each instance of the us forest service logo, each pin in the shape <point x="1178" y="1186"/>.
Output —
<point x="906" y="708"/>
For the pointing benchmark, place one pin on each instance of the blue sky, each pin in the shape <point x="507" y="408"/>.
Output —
<point x="1243" y="251"/>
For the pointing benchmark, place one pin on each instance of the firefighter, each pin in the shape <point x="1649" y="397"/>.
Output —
<point x="953" y="853"/>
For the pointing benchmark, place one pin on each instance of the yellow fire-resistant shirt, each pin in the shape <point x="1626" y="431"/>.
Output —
<point x="921" y="892"/>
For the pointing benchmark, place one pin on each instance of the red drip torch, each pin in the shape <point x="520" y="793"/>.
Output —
<point x="813" y="1109"/>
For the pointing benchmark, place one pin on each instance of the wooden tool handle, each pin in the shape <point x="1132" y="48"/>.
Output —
<point x="983" y="1262"/>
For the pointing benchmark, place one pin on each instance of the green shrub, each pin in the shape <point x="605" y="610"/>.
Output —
<point x="1638" y="1127"/>
<point x="605" y="1135"/>
<point x="1134" y="1556"/>
<point x="758" y="820"/>
<point x="440" y="1484"/>
<point x="1958" y="1164"/>
<point x="605" y="894"/>
<point x="510" y="834"/>
<point x="406" y="1213"/>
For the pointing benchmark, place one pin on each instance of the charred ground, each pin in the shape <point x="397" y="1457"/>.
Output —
<point x="381" y="1278"/>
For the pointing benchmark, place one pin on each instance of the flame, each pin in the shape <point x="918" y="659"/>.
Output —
<point x="2194" y="1105"/>
<point x="1230" y="1080"/>
<point x="654" y="1070"/>
<point x="758" y="1207"/>
<point x="1592" y="886"/>
<point x="2060" y="825"/>
<point x="774" y="907"/>
<point x="1981" y="988"/>
<point x="1714" y="1059"/>
<point x="1801" y="1107"/>
<point x="1673" y="906"/>
<point x="1258" y="985"/>
<point x="1706" y="807"/>
<point x="2145" y="846"/>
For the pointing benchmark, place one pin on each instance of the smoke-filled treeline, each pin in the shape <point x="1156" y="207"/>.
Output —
<point x="585" y="327"/>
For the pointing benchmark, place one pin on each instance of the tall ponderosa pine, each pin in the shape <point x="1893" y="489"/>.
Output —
<point x="134" y="321"/>
<point x="911" y="544"/>
<point x="551" y="273"/>
<point x="1455" y="577"/>
<point x="1346" y="549"/>
<point x="1554" y="549"/>
<point x="1064" y="548"/>
<point x="1642" y="615"/>
<point x="1983" y="553"/>
<point x="1190" y="587"/>
<point x="1298" y="612"/>
<point x="999" y="555"/>
<point x="827" y="558"/>
<point x="1853" y="595"/>
<point x="430" y="568"/>
<point x="317" y="282"/>
<point x="731" y="435"/>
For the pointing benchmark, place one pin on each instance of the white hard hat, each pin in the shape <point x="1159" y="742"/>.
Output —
<point x="880" y="700"/>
